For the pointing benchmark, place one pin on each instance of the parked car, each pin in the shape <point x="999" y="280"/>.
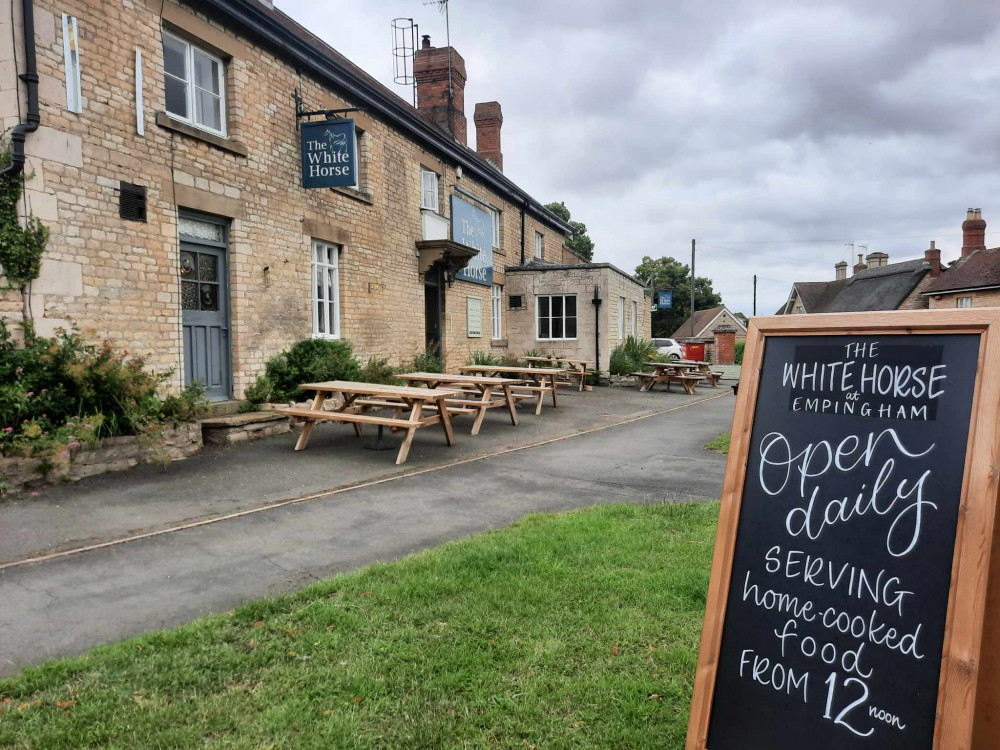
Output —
<point x="669" y="347"/>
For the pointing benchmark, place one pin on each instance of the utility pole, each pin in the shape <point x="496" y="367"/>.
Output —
<point x="755" y="295"/>
<point x="692" y="288"/>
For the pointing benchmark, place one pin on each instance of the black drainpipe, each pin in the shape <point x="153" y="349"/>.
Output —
<point x="30" y="77"/>
<point x="522" y="234"/>
<point x="597" y="330"/>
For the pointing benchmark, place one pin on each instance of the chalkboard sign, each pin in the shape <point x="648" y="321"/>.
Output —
<point x="840" y="535"/>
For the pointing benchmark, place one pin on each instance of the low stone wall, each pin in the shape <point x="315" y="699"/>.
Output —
<point x="239" y="428"/>
<point x="623" y="381"/>
<point x="113" y="454"/>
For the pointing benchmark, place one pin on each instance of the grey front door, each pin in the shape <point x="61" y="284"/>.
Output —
<point x="205" y="301"/>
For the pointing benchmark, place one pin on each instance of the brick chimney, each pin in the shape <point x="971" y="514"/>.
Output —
<point x="841" y="270"/>
<point x="973" y="232"/>
<point x="446" y="108"/>
<point x="488" y="119"/>
<point x="860" y="265"/>
<point x="933" y="258"/>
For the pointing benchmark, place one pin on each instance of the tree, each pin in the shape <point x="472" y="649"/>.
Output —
<point x="578" y="241"/>
<point x="669" y="273"/>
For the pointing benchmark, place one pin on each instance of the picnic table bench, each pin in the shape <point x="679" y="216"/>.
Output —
<point x="475" y="393"/>
<point x="576" y="369"/>
<point x="704" y="369"/>
<point x="399" y="397"/>
<point x="535" y="388"/>
<point x="668" y="372"/>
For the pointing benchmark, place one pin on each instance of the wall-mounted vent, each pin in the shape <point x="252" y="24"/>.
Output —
<point x="516" y="301"/>
<point x="132" y="202"/>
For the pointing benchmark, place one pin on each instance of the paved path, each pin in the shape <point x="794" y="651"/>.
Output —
<point x="67" y="605"/>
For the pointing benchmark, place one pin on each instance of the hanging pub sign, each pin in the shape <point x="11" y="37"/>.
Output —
<point x="665" y="299"/>
<point x="472" y="226"/>
<point x="848" y="606"/>
<point x="329" y="154"/>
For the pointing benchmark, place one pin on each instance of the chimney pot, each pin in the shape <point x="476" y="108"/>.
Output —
<point x="840" y="269"/>
<point x="425" y="41"/>
<point x="860" y="265"/>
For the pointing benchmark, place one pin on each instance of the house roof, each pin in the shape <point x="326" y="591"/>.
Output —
<point x="291" y="40"/>
<point x="537" y="264"/>
<point x="980" y="269"/>
<point x="879" y="288"/>
<point x="702" y="319"/>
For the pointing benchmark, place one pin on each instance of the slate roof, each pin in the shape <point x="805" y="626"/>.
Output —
<point x="702" y="318"/>
<point x="981" y="269"/>
<point x="880" y="288"/>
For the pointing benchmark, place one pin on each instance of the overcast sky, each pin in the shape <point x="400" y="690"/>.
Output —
<point x="793" y="127"/>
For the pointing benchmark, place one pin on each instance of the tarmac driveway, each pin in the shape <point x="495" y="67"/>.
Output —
<point x="64" y="606"/>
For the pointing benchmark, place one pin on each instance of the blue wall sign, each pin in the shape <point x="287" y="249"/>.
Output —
<point x="665" y="300"/>
<point x="329" y="154"/>
<point x="472" y="226"/>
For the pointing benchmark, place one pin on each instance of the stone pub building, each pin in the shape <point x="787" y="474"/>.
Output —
<point x="167" y="164"/>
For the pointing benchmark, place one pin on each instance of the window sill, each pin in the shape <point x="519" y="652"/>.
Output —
<point x="327" y="336"/>
<point x="555" y="341"/>
<point x="169" y="123"/>
<point x="355" y="194"/>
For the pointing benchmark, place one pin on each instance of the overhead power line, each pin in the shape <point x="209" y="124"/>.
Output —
<point x="819" y="242"/>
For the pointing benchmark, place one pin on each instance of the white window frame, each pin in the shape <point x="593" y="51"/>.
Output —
<point x="635" y="319"/>
<point x="621" y="318"/>
<point x="496" y="308"/>
<point x="71" y="59"/>
<point x="538" y="245"/>
<point x="963" y="303"/>
<point x="429" y="197"/>
<point x="496" y="228"/>
<point x="576" y="317"/>
<point x="189" y="50"/>
<point x="328" y="308"/>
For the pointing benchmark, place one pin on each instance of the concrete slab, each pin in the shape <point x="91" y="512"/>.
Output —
<point x="67" y="605"/>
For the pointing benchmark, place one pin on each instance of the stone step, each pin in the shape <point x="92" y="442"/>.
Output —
<point x="238" y="428"/>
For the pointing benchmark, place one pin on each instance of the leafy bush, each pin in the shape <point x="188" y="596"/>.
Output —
<point x="631" y="354"/>
<point x="740" y="346"/>
<point x="379" y="371"/>
<point x="428" y="362"/>
<point x="533" y="353"/>
<point x="186" y="406"/>
<point x="257" y="394"/>
<point x="308" y="361"/>
<point x="482" y="357"/>
<point x="63" y="391"/>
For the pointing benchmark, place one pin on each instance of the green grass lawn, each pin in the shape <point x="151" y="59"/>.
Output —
<point x="577" y="630"/>
<point x="720" y="444"/>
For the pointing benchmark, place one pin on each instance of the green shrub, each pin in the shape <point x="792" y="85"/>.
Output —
<point x="533" y="353"/>
<point x="379" y="371"/>
<point x="188" y="405"/>
<point x="740" y="346"/>
<point x="308" y="361"/>
<point x="428" y="362"/>
<point x="482" y="357"/>
<point x="621" y="363"/>
<point x="257" y="394"/>
<point x="640" y="350"/>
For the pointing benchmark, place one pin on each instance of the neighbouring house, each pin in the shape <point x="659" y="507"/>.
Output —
<point x="581" y="311"/>
<point x="918" y="284"/>
<point x="974" y="279"/>
<point x="705" y="321"/>
<point x="171" y="167"/>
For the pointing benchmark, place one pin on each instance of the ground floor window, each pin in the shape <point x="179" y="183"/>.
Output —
<point x="325" y="290"/>
<point x="963" y="302"/>
<point x="556" y="317"/>
<point x="635" y="319"/>
<point x="497" y="310"/>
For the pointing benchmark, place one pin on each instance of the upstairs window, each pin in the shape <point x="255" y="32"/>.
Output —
<point x="496" y="228"/>
<point x="429" y="190"/>
<point x="194" y="84"/>
<point x="963" y="302"/>
<point x="538" y="245"/>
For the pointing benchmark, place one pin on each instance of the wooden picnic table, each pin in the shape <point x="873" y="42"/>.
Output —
<point x="476" y="393"/>
<point x="669" y="372"/>
<point x="705" y="368"/>
<point x="535" y="374"/>
<point x="400" y="397"/>
<point x="577" y="368"/>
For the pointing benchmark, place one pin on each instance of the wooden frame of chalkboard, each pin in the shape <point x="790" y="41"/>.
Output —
<point x="963" y="719"/>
